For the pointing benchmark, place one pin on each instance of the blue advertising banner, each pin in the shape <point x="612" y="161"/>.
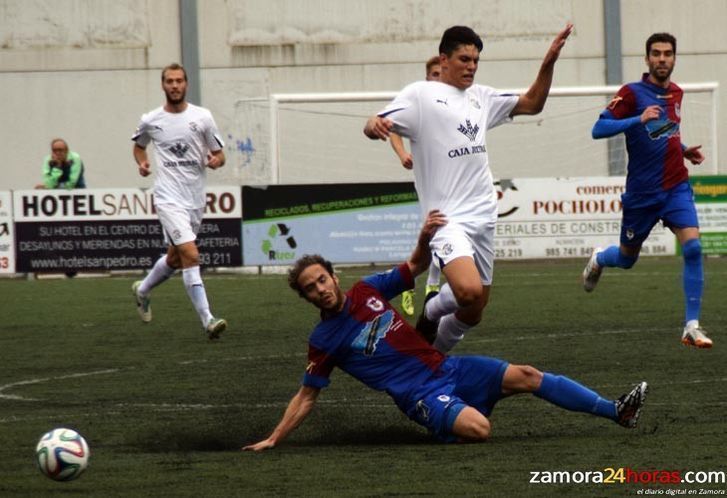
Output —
<point x="356" y="223"/>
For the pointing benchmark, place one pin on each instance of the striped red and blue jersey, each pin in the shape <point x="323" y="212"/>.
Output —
<point x="655" y="162"/>
<point x="369" y="340"/>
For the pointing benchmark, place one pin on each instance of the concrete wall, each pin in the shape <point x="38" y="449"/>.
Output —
<point x="86" y="70"/>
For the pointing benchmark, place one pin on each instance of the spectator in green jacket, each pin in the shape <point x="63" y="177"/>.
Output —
<point x="63" y="168"/>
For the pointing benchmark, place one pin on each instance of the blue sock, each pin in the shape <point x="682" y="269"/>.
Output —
<point x="569" y="394"/>
<point x="612" y="257"/>
<point x="693" y="277"/>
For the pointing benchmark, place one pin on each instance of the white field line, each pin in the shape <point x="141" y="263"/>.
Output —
<point x="47" y="379"/>
<point x="535" y="337"/>
<point x="120" y="409"/>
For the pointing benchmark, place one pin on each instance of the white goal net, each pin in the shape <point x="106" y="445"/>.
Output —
<point x="318" y="138"/>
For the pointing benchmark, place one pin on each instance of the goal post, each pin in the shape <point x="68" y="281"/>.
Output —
<point x="289" y="138"/>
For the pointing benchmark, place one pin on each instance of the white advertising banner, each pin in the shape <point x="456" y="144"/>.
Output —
<point x="565" y="218"/>
<point x="7" y="234"/>
<point x="111" y="204"/>
<point x="114" y="229"/>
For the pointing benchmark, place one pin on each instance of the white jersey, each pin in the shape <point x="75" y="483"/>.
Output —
<point x="182" y="141"/>
<point x="446" y="127"/>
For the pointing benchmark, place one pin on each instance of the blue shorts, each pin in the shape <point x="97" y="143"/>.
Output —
<point x="474" y="381"/>
<point x="641" y="212"/>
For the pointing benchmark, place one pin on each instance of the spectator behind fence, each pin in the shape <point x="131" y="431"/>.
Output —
<point x="63" y="168"/>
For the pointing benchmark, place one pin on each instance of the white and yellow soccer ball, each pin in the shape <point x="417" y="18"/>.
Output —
<point x="62" y="454"/>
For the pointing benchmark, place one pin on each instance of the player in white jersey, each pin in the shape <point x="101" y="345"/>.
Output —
<point x="433" y="71"/>
<point x="446" y="122"/>
<point x="186" y="142"/>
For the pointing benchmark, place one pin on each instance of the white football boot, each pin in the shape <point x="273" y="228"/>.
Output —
<point x="696" y="336"/>
<point x="592" y="272"/>
<point x="143" y="304"/>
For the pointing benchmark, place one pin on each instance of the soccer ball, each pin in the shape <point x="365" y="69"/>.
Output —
<point x="62" y="454"/>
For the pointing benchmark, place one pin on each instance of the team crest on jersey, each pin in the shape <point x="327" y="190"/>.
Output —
<point x="374" y="304"/>
<point x="475" y="103"/>
<point x="193" y="126"/>
<point x="678" y="110"/>
<point x="368" y="339"/>
<point x="469" y="131"/>
<point x="179" y="149"/>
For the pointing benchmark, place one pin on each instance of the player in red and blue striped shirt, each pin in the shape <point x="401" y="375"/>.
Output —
<point x="648" y="112"/>
<point x="363" y="335"/>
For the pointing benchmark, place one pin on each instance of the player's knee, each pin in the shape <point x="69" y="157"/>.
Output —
<point x="478" y="430"/>
<point x="531" y="378"/>
<point x="482" y="430"/>
<point x="692" y="249"/>
<point x="521" y="379"/>
<point x="471" y="296"/>
<point x="626" y="262"/>
<point x="173" y="261"/>
<point x="471" y="425"/>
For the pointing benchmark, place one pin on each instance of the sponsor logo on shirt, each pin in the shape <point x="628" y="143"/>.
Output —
<point x="368" y="339"/>
<point x="469" y="131"/>
<point x="179" y="149"/>
<point x="661" y="128"/>
<point x="614" y="102"/>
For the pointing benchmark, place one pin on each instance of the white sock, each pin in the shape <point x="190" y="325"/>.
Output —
<point x="450" y="332"/>
<point x="434" y="274"/>
<point x="442" y="304"/>
<point x="195" y="291"/>
<point x="159" y="273"/>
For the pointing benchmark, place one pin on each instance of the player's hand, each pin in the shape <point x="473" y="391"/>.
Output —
<point x="378" y="128"/>
<point x="144" y="168"/>
<point x="214" y="161"/>
<point x="693" y="154"/>
<point x="407" y="161"/>
<point x="263" y="445"/>
<point x="650" y="113"/>
<point x="435" y="220"/>
<point x="558" y="43"/>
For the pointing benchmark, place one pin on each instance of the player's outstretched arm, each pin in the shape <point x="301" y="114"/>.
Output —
<point x="607" y="127"/>
<point x="397" y="143"/>
<point x="298" y="409"/>
<point x="533" y="101"/>
<point x="421" y="256"/>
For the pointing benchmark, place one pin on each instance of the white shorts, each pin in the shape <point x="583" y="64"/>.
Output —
<point x="473" y="240"/>
<point x="180" y="225"/>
